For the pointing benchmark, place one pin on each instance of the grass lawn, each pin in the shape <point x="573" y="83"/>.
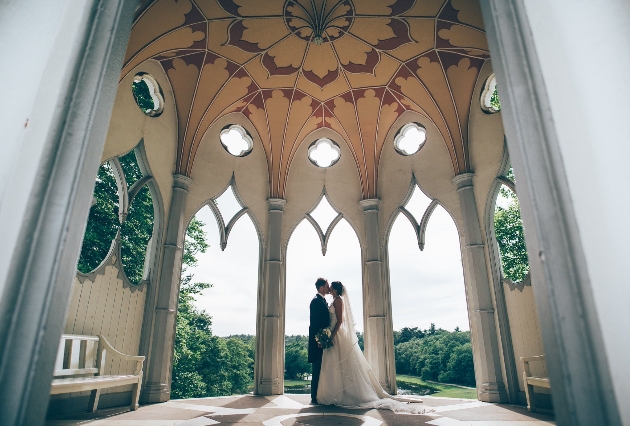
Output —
<point x="434" y="388"/>
<point x="296" y="383"/>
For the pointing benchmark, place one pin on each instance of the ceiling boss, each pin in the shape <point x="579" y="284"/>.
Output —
<point x="321" y="23"/>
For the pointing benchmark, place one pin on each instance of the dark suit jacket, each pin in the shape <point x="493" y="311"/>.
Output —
<point x="319" y="319"/>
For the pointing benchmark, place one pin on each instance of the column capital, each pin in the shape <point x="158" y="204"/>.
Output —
<point x="181" y="182"/>
<point x="463" y="180"/>
<point x="370" y="204"/>
<point x="276" y="203"/>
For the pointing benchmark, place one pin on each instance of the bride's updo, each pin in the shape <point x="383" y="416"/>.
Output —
<point x="338" y="287"/>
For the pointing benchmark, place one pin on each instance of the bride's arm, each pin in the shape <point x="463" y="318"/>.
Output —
<point x="338" y="304"/>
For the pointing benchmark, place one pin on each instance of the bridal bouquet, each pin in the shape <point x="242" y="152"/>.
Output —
<point x="323" y="338"/>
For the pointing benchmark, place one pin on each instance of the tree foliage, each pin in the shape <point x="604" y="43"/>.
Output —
<point x="142" y="94"/>
<point x="296" y="365"/>
<point x="205" y="365"/>
<point x="135" y="234"/>
<point x="433" y="354"/>
<point x="102" y="224"/>
<point x="508" y="227"/>
<point x="495" y="103"/>
<point x="104" y="221"/>
<point x="439" y="356"/>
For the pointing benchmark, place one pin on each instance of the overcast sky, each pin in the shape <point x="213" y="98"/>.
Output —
<point x="427" y="287"/>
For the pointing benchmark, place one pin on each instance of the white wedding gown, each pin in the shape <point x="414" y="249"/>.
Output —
<point x="346" y="378"/>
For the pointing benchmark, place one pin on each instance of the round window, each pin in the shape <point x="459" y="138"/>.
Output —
<point x="324" y="152"/>
<point x="410" y="138"/>
<point x="236" y="140"/>
<point x="148" y="94"/>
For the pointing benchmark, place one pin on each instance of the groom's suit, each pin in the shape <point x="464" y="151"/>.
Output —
<point x="319" y="319"/>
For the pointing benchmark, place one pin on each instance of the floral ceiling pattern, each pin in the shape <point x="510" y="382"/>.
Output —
<point x="292" y="66"/>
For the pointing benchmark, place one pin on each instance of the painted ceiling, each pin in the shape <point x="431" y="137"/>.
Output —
<point x="292" y="66"/>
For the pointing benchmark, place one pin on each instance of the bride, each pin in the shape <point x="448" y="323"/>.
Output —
<point x="346" y="378"/>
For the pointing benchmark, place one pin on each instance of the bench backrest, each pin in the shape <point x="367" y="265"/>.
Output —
<point x="78" y="355"/>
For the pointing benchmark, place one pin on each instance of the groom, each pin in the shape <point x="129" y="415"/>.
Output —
<point x="319" y="319"/>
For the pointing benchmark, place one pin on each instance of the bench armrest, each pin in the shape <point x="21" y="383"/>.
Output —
<point x="525" y="359"/>
<point x="116" y="353"/>
<point x="106" y="347"/>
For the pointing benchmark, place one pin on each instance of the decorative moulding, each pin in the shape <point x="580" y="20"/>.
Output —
<point x="324" y="237"/>
<point x="420" y="228"/>
<point x="224" y="229"/>
<point x="114" y="259"/>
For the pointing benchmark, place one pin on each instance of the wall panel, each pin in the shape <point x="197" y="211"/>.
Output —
<point x="106" y="306"/>
<point x="525" y="330"/>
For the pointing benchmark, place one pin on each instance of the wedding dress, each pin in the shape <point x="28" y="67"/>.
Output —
<point x="346" y="378"/>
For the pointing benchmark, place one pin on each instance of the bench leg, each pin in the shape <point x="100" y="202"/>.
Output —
<point x="135" y="396"/>
<point x="94" y="397"/>
<point x="531" y="398"/>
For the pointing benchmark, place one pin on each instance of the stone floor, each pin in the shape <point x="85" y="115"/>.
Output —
<point x="294" y="410"/>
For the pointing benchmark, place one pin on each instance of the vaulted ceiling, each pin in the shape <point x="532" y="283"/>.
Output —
<point x="293" y="66"/>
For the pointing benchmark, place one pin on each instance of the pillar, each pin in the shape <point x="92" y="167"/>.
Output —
<point x="270" y="335"/>
<point x="378" y="327"/>
<point x="488" y="372"/>
<point x="160" y="356"/>
<point x="59" y="98"/>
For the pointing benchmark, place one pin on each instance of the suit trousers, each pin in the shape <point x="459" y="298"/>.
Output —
<point x="317" y="368"/>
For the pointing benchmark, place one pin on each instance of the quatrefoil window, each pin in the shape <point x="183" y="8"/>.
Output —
<point x="148" y="94"/>
<point x="324" y="152"/>
<point x="236" y="140"/>
<point x="410" y="138"/>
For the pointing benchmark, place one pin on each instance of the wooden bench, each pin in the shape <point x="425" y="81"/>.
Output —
<point x="530" y="381"/>
<point x="80" y="366"/>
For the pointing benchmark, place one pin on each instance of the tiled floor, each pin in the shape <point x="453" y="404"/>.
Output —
<point x="294" y="410"/>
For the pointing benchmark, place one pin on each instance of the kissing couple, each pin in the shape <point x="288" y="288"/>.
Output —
<point x="341" y="374"/>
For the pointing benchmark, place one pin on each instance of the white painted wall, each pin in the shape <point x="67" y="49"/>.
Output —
<point x="583" y="51"/>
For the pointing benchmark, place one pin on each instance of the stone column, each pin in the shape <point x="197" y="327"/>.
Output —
<point x="270" y="354"/>
<point x="160" y="357"/>
<point x="488" y="372"/>
<point x="378" y="328"/>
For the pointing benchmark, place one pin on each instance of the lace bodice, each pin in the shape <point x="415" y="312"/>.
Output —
<point x="333" y="316"/>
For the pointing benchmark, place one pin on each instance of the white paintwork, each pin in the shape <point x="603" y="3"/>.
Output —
<point x="75" y="366"/>
<point x="583" y="55"/>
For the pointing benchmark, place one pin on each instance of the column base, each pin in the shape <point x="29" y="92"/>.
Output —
<point x="155" y="392"/>
<point x="270" y="387"/>
<point x="492" y="392"/>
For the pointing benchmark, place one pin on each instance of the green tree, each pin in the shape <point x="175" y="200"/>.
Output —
<point x="296" y="364"/>
<point x="360" y="339"/>
<point x="494" y="100"/>
<point x="142" y="94"/>
<point x="103" y="223"/>
<point x="204" y="364"/>
<point x="508" y="228"/>
<point x="135" y="234"/>
<point x="439" y="356"/>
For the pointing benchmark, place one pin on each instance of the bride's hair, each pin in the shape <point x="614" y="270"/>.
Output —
<point x="338" y="287"/>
